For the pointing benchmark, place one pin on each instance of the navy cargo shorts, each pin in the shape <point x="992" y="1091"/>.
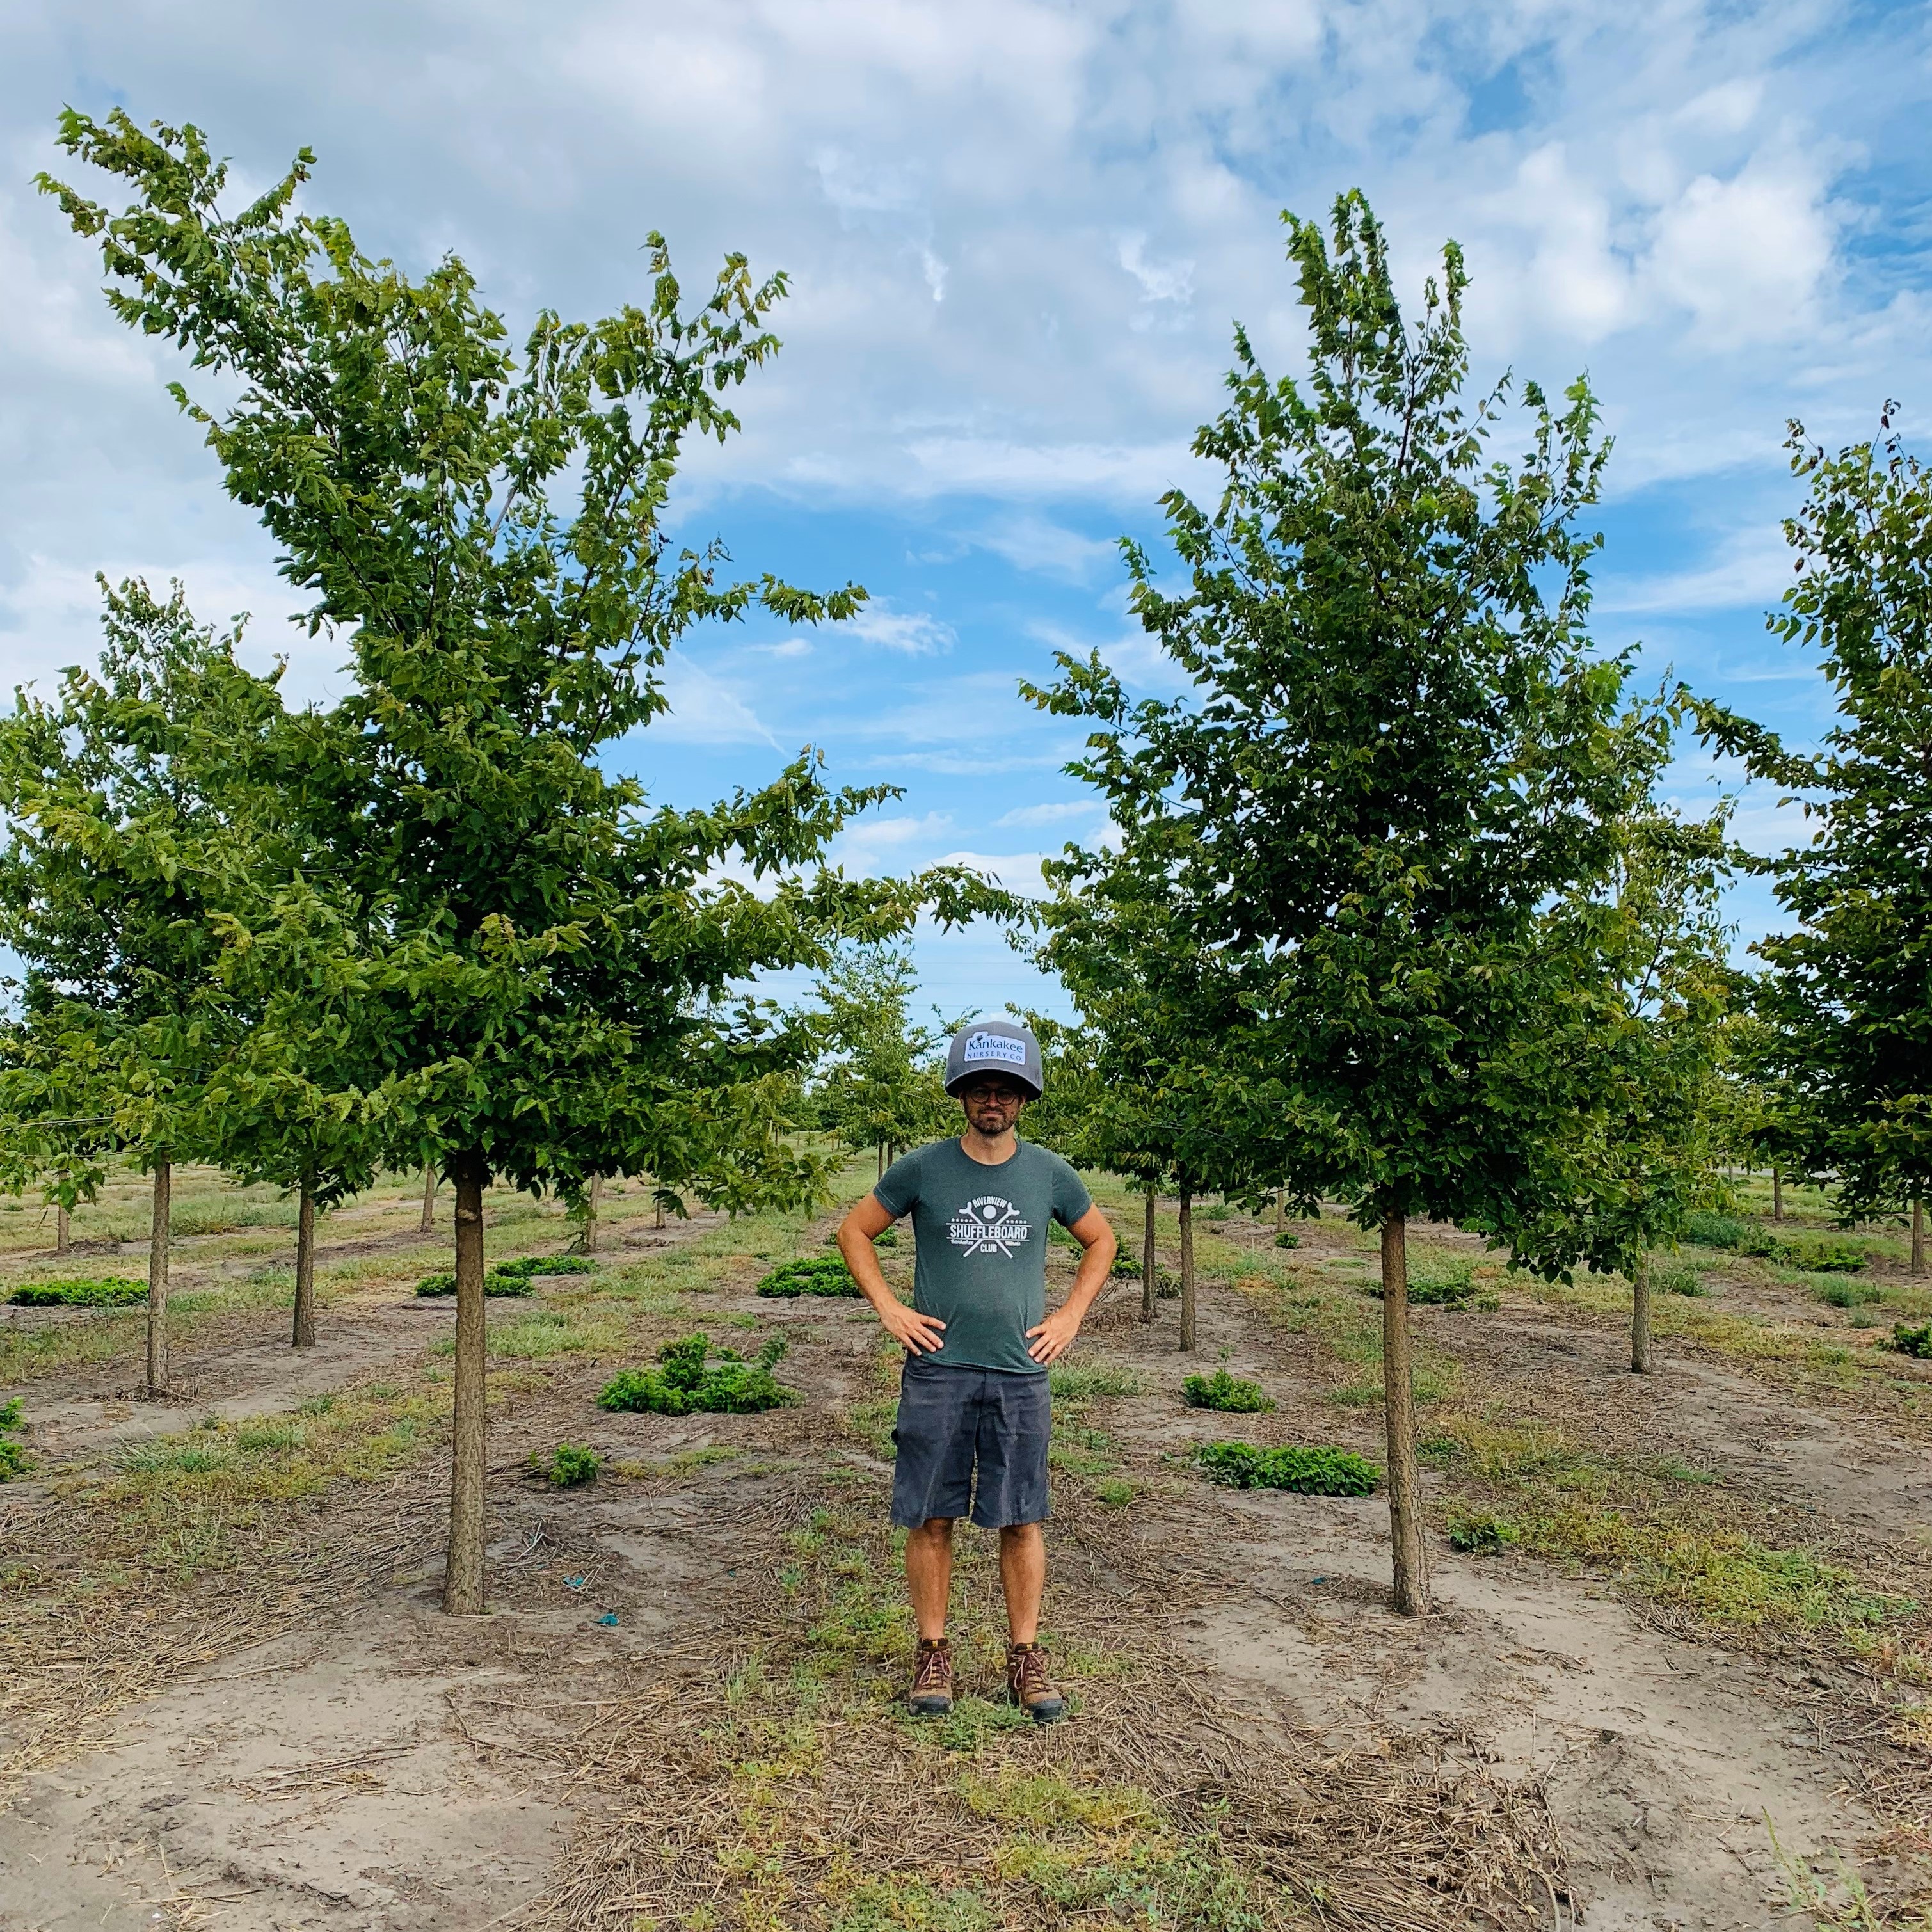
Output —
<point x="955" y="1420"/>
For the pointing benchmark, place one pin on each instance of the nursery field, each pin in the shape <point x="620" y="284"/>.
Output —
<point x="1676" y="1676"/>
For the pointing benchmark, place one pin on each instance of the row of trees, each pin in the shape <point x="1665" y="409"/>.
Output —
<point x="428" y="925"/>
<point x="1391" y="913"/>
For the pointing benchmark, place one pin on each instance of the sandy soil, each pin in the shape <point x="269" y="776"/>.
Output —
<point x="389" y="1770"/>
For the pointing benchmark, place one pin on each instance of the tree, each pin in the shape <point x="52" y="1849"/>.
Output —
<point x="283" y="1104"/>
<point x="135" y="809"/>
<point x="1170" y="1083"/>
<point x="1847" y="995"/>
<point x="1400" y="773"/>
<point x="879" y="1085"/>
<point x="1663" y="1124"/>
<point x="542" y="977"/>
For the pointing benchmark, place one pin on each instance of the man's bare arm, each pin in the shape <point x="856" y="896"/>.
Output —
<point x="919" y="1333"/>
<point x="1054" y="1335"/>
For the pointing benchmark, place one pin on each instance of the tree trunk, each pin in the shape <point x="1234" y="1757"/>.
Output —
<point x="590" y="1201"/>
<point x="882" y="1160"/>
<point x="659" y="1222"/>
<point x="1640" y="1315"/>
<point x="1186" y="1269"/>
<point x="1278" y="1205"/>
<point x="63" y="1227"/>
<point x="1918" y="1234"/>
<point x="463" y="1574"/>
<point x="157" y="1281"/>
<point x="1411" y="1592"/>
<point x="304" y="1337"/>
<point x="429" y="1200"/>
<point x="1149" y="1262"/>
<point x="1776" y="1195"/>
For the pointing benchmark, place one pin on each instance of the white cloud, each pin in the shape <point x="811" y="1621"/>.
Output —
<point x="1017" y="871"/>
<point x="1748" y="256"/>
<point x="1033" y="543"/>
<point x="1159" y="281"/>
<point x="706" y="710"/>
<point x="912" y="631"/>
<point x="1753" y="567"/>
<point x="1052" y="814"/>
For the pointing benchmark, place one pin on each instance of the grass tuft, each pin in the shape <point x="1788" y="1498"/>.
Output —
<point x="1074" y="1385"/>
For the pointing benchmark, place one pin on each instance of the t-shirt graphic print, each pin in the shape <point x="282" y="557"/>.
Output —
<point x="980" y="1233"/>
<point x="991" y="1222"/>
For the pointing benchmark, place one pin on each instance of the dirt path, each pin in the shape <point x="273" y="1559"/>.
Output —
<point x="390" y="1771"/>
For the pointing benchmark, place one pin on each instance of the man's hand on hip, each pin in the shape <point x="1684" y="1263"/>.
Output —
<point x="918" y="1334"/>
<point x="1053" y="1336"/>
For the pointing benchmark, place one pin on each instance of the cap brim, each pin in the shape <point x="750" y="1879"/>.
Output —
<point x="1020" y="1080"/>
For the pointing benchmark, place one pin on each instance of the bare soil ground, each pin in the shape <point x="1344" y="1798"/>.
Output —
<point x="682" y="1709"/>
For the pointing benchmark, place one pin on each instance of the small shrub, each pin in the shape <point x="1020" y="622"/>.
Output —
<point x="495" y="1285"/>
<point x="1286" y="1240"/>
<point x="1220" y="1212"/>
<point x="820" y="1274"/>
<point x="1320" y="1472"/>
<point x="80" y="1291"/>
<point x="14" y="1460"/>
<point x="566" y="1467"/>
<point x="1478" y="1533"/>
<point x="532" y="1264"/>
<point x="1914" y="1342"/>
<point x="1166" y="1285"/>
<point x="1227" y="1393"/>
<point x="1125" y="1265"/>
<point x="694" y="1379"/>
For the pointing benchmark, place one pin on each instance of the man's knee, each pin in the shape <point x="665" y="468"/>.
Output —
<point x="939" y="1527"/>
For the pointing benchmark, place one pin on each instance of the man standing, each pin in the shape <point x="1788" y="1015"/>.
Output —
<point x="973" y="1393"/>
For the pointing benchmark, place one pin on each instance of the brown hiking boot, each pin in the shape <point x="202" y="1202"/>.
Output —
<point x="932" y="1679"/>
<point x="1029" y="1686"/>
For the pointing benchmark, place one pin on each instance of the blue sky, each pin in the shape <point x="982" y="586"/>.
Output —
<point x="1018" y="235"/>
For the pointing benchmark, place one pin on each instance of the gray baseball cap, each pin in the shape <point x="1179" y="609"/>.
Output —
<point x="993" y="1046"/>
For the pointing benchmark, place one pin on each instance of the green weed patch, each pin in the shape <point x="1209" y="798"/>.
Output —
<point x="1817" y="1254"/>
<point x="14" y="1460"/>
<point x="694" y="1379"/>
<point x="816" y="1274"/>
<point x="495" y="1285"/>
<point x="1227" y="1393"/>
<point x="1722" y="1574"/>
<point x="1480" y="1533"/>
<point x="80" y="1291"/>
<point x="1319" y="1471"/>
<point x="1914" y="1342"/>
<point x="536" y="1265"/>
<point x="568" y="1466"/>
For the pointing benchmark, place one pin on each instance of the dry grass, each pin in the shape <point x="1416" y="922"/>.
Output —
<point x="770" y="1779"/>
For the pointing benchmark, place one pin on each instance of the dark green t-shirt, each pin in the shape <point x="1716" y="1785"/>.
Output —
<point x="981" y="1234"/>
